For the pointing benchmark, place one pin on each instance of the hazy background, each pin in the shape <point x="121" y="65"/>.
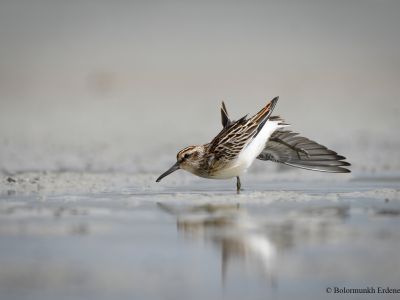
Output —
<point x="123" y="85"/>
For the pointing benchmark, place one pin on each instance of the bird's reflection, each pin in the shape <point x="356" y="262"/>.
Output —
<point x="229" y="227"/>
<point x="259" y="238"/>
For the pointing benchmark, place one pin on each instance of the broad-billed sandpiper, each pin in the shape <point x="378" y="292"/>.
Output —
<point x="262" y="136"/>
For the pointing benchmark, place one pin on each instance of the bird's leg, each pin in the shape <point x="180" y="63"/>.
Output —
<point x="238" y="184"/>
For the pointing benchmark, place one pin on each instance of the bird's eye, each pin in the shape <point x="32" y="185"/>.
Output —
<point x="186" y="155"/>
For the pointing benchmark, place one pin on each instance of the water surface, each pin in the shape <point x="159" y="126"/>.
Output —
<point x="201" y="241"/>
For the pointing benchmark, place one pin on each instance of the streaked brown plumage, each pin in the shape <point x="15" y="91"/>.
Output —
<point x="233" y="150"/>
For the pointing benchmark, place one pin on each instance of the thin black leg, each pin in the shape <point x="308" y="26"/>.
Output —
<point x="238" y="184"/>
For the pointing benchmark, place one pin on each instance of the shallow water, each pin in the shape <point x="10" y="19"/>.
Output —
<point x="201" y="241"/>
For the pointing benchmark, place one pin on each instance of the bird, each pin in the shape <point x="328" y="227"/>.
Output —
<point x="263" y="137"/>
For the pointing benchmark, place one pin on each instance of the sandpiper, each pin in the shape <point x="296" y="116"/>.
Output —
<point x="262" y="137"/>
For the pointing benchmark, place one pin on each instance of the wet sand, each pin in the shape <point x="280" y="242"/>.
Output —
<point x="121" y="236"/>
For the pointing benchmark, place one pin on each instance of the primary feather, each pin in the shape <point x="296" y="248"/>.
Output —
<point x="293" y="150"/>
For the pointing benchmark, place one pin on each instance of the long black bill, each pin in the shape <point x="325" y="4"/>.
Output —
<point x="169" y="171"/>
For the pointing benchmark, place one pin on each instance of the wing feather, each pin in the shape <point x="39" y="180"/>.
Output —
<point x="234" y="137"/>
<point x="224" y="116"/>
<point x="289" y="148"/>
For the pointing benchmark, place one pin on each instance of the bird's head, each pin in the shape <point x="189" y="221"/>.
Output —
<point x="187" y="159"/>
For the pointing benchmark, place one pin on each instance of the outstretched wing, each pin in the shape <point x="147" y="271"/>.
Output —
<point x="236" y="135"/>
<point x="289" y="148"/>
